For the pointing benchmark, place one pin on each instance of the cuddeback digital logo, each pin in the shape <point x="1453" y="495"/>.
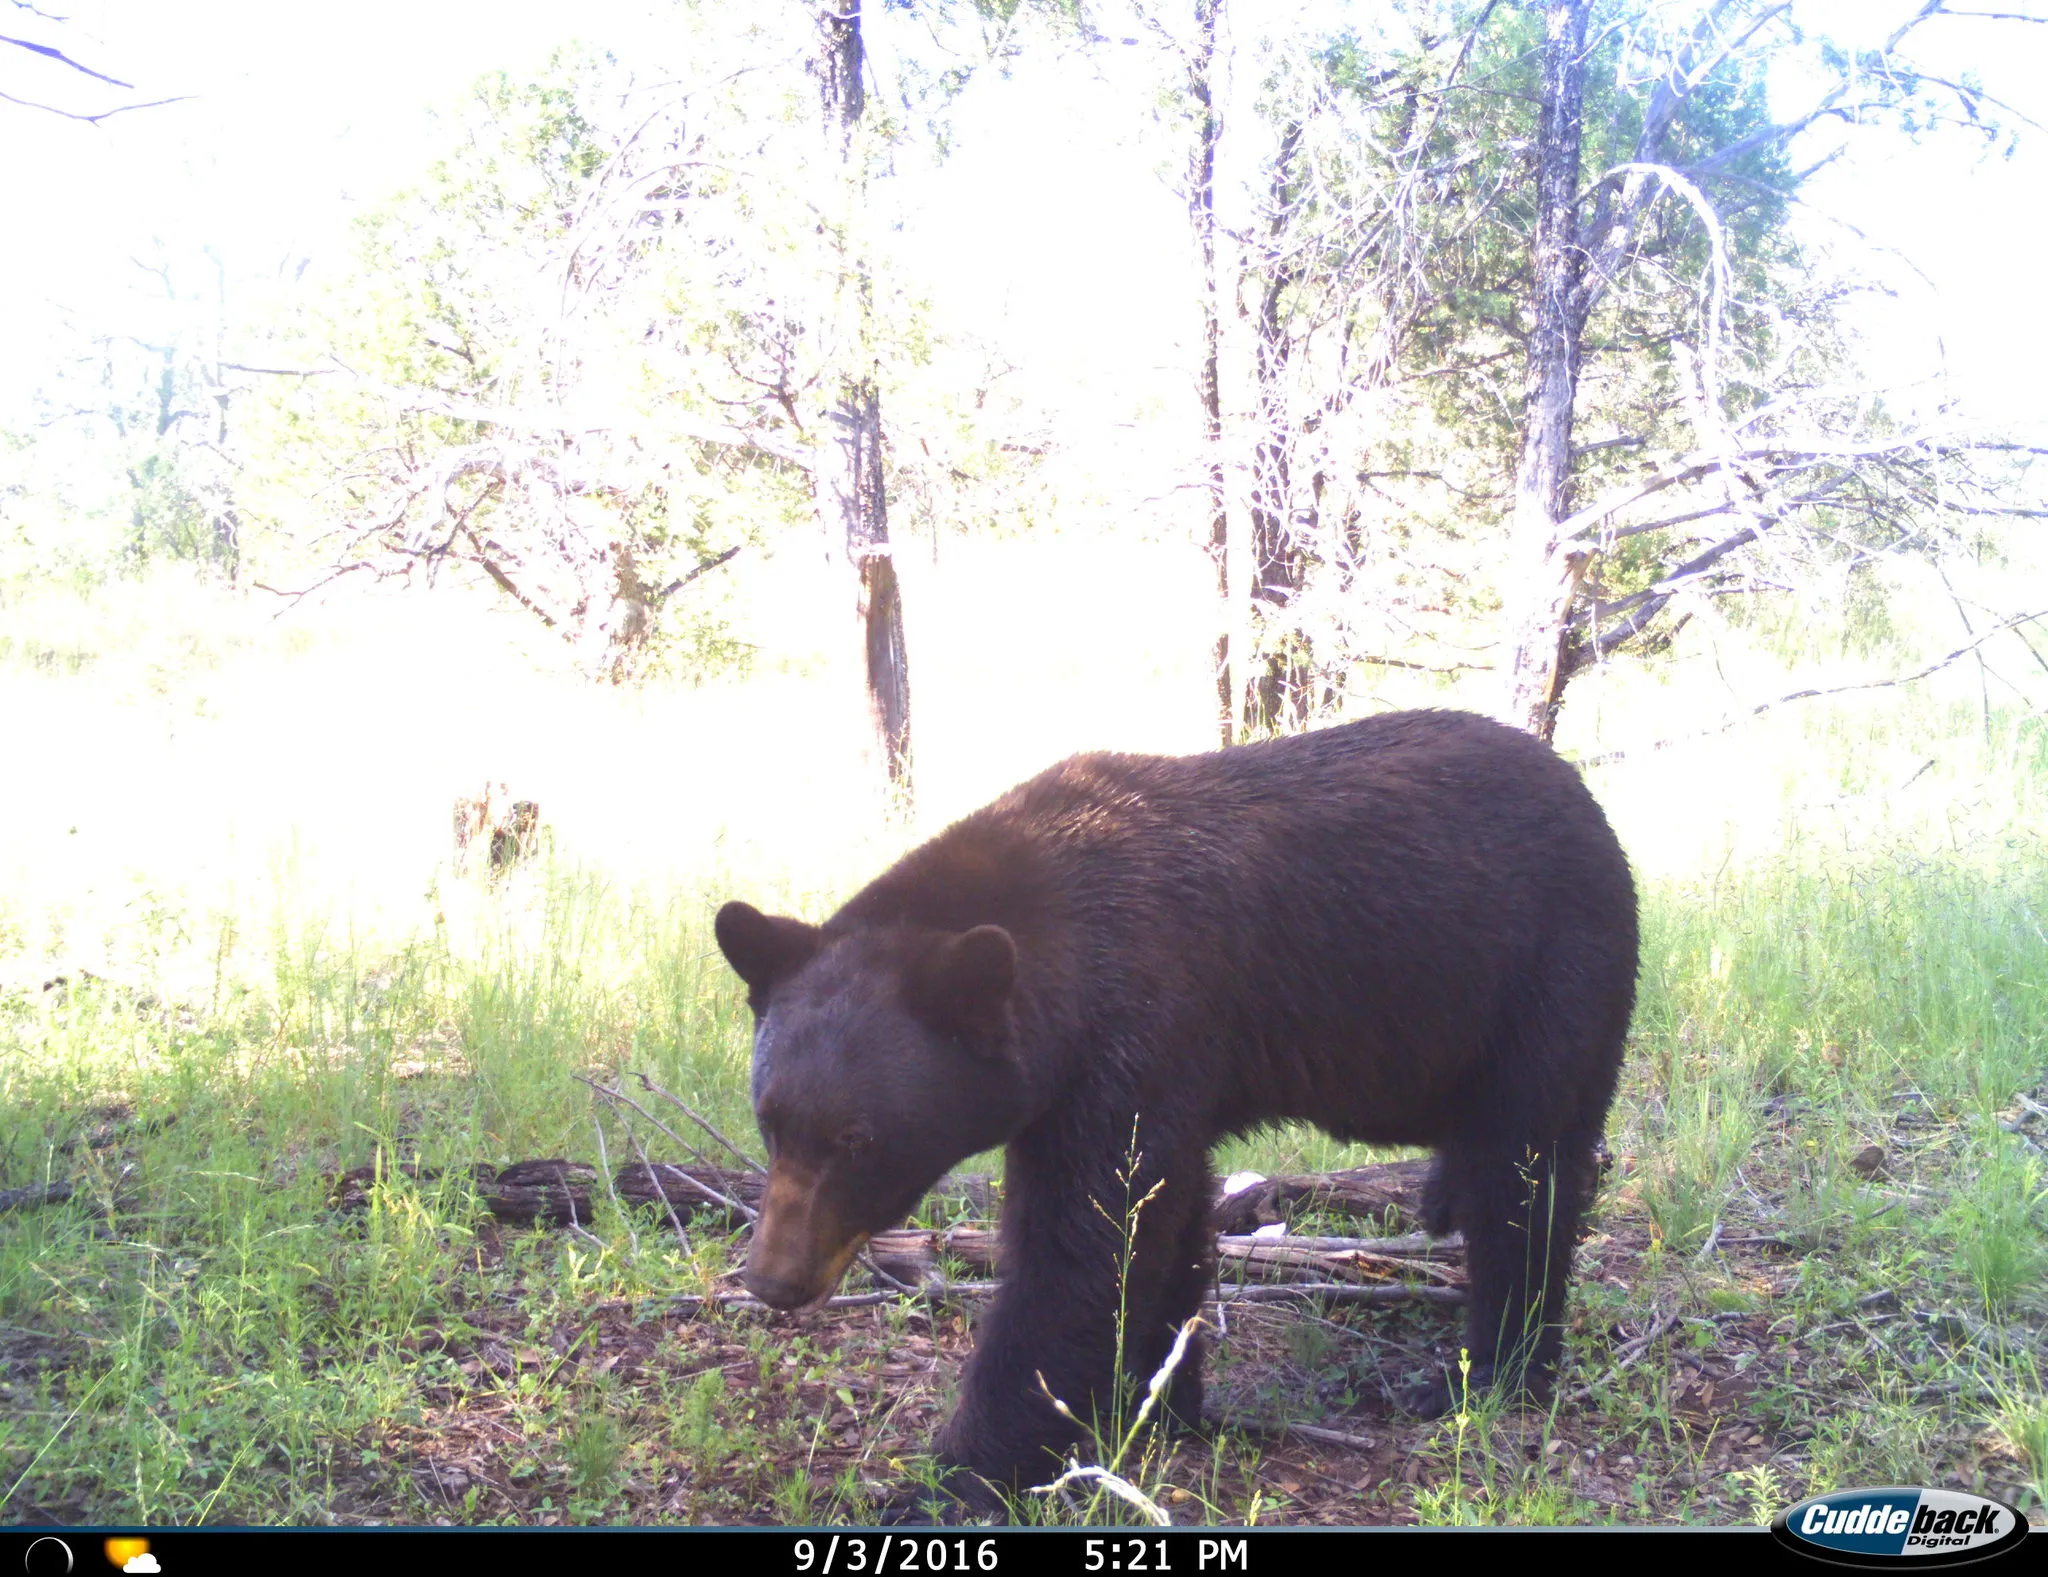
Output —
<point x="1924" y="1527"/>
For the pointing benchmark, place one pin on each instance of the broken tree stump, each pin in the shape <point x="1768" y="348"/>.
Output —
<point x="496" y="828"/>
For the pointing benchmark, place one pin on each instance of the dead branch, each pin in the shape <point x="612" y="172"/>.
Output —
<point x="647" y="1168"/>
<point x="92" y="120"/>
<point x="932" y="1292"/>
<point x="1608" y="757"/>
<point x="611" y="1188"/>
<point x="1630" y="1352"/>
<point x="681" y="581"/>
<point x="51" y="52"/>
<point x="1341" y="1292"/>
<point x="1315" y="1434"/>
<point x="719" y="1196"/>
<point x="523" y="419"/>
<point x="696" y="1117"/>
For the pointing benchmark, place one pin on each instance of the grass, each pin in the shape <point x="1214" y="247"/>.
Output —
<point x="198" y="1336"/>
<point x="206" y="1340"/>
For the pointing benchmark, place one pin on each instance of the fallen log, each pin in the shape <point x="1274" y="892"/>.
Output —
<point x="913" y="1255"/>
<point x="1389" y="1192"/>
<point x="730" y="1197"/>
<point x="559" y="1193"/>
<point x="35" y="1194"/>
<point x="938" y="1291"/>
<point x="526" y="1193"/>
<point x="540" y="1193"/>
<point x="1417" y="1245"/>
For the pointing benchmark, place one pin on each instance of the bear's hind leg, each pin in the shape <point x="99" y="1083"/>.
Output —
<point x="1187" y="1283"/>
<point x="1438" y="1219"/>
<point x="1519" y="1208"/>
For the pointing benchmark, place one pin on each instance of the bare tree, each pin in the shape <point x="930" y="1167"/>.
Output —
<point x="1201" y="202"/>
<point x="51" y="55"/>
<point x="586" y="226"/>
<point x="1499" y="407"/>
<point x="1787" y="467"/>
<point x="848" y="474"/>
<point x="1547" y="582"/>
<point x="1277" y="694"/>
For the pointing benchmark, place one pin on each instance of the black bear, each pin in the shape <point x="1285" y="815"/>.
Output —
<point x="1417" y="929"/>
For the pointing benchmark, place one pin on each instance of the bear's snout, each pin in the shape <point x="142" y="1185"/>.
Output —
<point x="775" y="1290"/>
<point x="800" y="1247"/>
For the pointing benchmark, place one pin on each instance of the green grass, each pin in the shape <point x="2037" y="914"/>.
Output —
<point x="206" y="1340"/>
<point x="1862" y="962"/>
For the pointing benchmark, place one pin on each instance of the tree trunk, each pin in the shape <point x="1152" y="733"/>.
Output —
<point x="1545" y="573"/>
<point x="880" y="599"/>
<point x="852" y="497"/>
<point x="1202" y="214"/>
<point x="1278" y="697"/>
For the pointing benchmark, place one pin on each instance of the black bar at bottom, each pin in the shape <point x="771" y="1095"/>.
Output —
<point x="833" y="1552"/>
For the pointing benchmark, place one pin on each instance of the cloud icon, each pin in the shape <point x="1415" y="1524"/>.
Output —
<point x="145" y="1562"/>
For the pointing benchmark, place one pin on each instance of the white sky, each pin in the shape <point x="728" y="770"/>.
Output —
<point x="300" y="114"/>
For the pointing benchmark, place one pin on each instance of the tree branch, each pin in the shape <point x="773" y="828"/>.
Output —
<point x="52" y="53"/>
<point x="681" y="581"/>
<point x="2018" y="619"/>
<point x="93" y="120"/>
<point x="521" y="419"/>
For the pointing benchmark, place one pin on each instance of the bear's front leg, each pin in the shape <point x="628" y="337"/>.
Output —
<point x="1089" y="1274"/>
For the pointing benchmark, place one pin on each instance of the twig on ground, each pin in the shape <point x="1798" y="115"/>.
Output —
<point x="716" y="1196"/>
<point x="933" y="1291"/>
<point x="1631" y="1350"/>
<point x="604" y="1168"/>
<point x="1328" y="1437"/>
<point x="1340" y="1292"/>
<point x="743" y="1158"/>
<point x="1609" y="757"/>
<point x="667" y="1204"/>
<point x="1122" y="1488"/>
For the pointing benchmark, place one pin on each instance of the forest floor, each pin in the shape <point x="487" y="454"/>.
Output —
<point x="472" y="1372"/>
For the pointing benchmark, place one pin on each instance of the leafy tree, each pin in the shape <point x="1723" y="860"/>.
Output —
<point x="1536" y="361"/>
<point x="566" y="361"/>
<point x="624" y="331"/>
<point x="133" y="457"/>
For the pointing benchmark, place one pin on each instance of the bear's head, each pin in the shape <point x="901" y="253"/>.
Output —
<point x="882" y="1056"/>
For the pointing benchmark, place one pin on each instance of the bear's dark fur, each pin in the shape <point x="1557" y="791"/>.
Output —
<point x="1413" y="930"/>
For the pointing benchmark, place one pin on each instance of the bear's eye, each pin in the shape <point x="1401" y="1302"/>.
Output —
<point x="855" y="1138"/>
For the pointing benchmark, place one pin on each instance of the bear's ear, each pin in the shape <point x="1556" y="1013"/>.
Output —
<point x="763" y="949"/>
<point x="964" y="983"/>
